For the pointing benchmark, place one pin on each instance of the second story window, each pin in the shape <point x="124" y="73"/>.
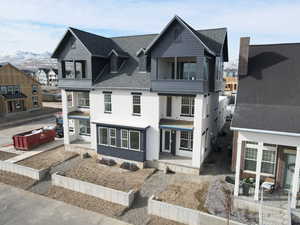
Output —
<point x="136" y="104"/>
<point x="80" y="69"/>
<point x="187" y="106"/>
<point x="34" y="89"/>
<point x="107" y="103"/>
<point x="73" y="69"/>
<point x="84" y="99"/>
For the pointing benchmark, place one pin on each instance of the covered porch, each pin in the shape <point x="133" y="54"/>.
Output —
<point x="267" y="168"/>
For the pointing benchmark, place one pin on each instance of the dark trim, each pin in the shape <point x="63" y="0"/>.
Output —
<point x="106" y="92"/>
<point x="121" y="126"/>
<point x="136" y="93"/>
<point x="187" y="115"/>
<point x="76" y="90"/>
<point x="169" y="94"/>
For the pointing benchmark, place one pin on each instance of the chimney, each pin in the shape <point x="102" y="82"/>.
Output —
<point x="243" y="57"/>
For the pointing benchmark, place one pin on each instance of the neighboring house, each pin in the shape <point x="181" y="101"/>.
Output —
<point x="53" y="77"/>
<point x="230" y="72"/>
<point x="266" y="121"/>
<point x="19" y="92"/>
<point x="29" y="72"/>
<point x="42" y="76"/>
<point x="145" y="97"/>
<point x="231" y="84"/>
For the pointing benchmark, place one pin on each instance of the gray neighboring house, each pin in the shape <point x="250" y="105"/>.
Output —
<point x="145" y="98"/>
<point x="42" y="76"/>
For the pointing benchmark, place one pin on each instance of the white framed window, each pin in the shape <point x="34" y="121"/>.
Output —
<point x="136" y="104"/>
<point x="107" y="103"/>
<point x="250" y="157"/>
<point x="103" y="135"/>
<point x="35" y="101"/>
<point x="134" y="140"/>
<point x="3" y="90"/>
<point x="112" y="137"/>
<point x="186" y="140"/>
<point x="124" y="139"/>
<point x="34" y="89"/>
<point x="84" y="127"/>
<point x="187" y="106"/>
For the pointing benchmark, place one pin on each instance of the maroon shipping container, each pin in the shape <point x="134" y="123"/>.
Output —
<point x="31" y="139"/>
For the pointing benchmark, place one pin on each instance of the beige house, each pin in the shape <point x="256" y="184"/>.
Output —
<point x="18" y="91"/>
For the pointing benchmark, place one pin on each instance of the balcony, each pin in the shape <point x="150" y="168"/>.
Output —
<point x="178" y="75"/>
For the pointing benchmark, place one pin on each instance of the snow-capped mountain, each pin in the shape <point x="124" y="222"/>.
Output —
<point x="29" y="60"/>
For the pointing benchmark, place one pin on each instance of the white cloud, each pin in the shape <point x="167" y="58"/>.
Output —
<point x="264" y="21"/>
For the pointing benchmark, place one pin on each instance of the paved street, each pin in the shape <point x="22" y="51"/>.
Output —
<point x="6" y="134"/>
<point x="22" y="207"/>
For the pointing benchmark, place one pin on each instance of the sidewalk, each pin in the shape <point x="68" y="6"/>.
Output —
<point x="26" y="117"/>
<point x="22" y="207"/>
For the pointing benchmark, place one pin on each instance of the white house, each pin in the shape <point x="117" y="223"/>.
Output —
<point x="145" y="98"/>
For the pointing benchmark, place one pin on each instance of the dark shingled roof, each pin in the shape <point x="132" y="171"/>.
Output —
<point x="97" y="45"/>
<point x="268" y="97"/>
<point x="129" y="75"/>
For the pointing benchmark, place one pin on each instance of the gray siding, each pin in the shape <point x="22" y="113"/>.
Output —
<point x="77" y="53"/>
<point x="179" y="86"/>
<point x="118" y="152"/>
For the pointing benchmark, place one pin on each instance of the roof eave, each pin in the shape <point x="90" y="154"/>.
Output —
<point x="265" y="131"/>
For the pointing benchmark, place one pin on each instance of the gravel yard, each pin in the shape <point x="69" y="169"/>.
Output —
<point x="155" y="220"/>
<point x="188" y="195"/>
<point x="6" y="155"/>
<point x="85" y="201"/>
<point x="112" y="177"/>
<point x="47" y="159"/>
<point x="16" y="180"/>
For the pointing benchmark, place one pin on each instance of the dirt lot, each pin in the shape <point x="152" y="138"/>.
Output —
<point x="85" y="201"/>
<point x="16" y="180"/>
<point x="112" y="177"/>
<point x="189" y="195"/>
<point x="6" y="155"/>
<point x="155" y="220"/>
<point x="48" y="159"/>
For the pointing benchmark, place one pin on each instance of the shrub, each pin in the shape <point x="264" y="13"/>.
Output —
<point x="108" y="162"/>
<point x="129" y="166"/>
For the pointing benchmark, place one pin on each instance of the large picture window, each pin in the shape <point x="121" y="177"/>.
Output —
<point x="134" y="138"/>
<point x="187" y="106"/>
<point x="186" y="140"/>
<point x="107" y="103"/>
<point x="73" y="69"/>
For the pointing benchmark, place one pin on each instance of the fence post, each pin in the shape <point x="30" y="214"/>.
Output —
<point x="261" y="206"/>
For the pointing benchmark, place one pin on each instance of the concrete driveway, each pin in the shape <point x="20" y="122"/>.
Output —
<point x="22" y="207"/>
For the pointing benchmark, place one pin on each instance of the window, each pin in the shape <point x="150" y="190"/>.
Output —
<point x="103" y="132"/>
<point x="136" y="103"/>
<point x="35" y="101"/>
<point x="169" y="106"/>
<point x="250" y="159"/>
<point x="186" y="140"/>
<point x="16" y="89"/>
<point x="187" y="70"/>
<point x="84" y="99"/>
<point x="68" y="69"/>
<point x="107" y="103"/>
<point x="134" y="139"/>
<point x="187" y="106"/>
<point x="84" y="127"/>
<point x="70" y="99"/>
<point x="10" y="89"/>
<point x="143" y="63"/>
<point x="80" y="69"/>
<point x="124" y="138"/>
<point x="112" y="137"/>
<point x="113" y="63"/>
<point x="3" y="90"/>
<point x="34" y="89"/>
<point x="268" y="162"/>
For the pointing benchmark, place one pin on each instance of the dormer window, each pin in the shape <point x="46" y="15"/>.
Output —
<point x="142" y="60"/>
<point x="117" y="60"/>
<point x="113" y="63"/>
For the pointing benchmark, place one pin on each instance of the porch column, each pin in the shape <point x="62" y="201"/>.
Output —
<point x="65" y="112"/>
<point x="238" y="168"/>
<point x="295" y="185"/>
<point x="258" y="169"/>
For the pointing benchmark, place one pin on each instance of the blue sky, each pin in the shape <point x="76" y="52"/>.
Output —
<point x="35" y="25"/>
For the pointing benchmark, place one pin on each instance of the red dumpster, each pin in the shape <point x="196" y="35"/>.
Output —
<point x="31" y="139"/>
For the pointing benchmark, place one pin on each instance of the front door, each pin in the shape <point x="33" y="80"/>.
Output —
<point x="166" y="141"/>
<point x="169" y="141"/>
<point x="289" y="170"/>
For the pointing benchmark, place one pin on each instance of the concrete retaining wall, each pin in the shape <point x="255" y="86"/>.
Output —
<point x="23" y="170"/>
<point x="98" y="191"/>
<point x="184" y="215"/>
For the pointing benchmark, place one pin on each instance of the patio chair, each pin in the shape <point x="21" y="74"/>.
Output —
<point x="268" y="185"/>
